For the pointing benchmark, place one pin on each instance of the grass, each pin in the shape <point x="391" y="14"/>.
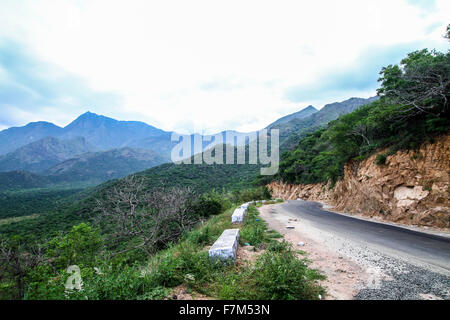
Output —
<point x="275" y="270"/>
<point x="278" y="272"/>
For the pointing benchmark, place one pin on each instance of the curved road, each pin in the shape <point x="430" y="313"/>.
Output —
<point x="427" y="248"/>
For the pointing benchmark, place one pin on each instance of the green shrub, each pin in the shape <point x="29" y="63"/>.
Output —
<point x="184" y="263"/>
<point x="80" y="246"/>
<point x="209" y="204"/>
<point x="278" y="246"/>
<point x="380" y="159"/>
<point x="254" y="229"/>
<point x="119" y="284"/>
<point x="247" y="195"/>
<point x="279" y="274"/>
<point x="200" y="237"/>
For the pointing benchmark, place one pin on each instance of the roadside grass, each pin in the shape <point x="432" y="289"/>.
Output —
<point x="275" y="201"/>
<point x="277" y="273"/>
<point x="275" y="270"/>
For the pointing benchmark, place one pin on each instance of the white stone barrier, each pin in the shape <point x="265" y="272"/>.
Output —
<point x="226" y="246"/>
<point x="245" y="205"/>
<point x="238" y="215"/>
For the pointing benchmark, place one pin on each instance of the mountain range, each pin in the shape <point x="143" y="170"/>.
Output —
<point x="42" y="154"/>
<point x="96" y="148"/>
<point x="295" y="127"/>
<point x="296" y="115"/>
<point x="96" y="167"/>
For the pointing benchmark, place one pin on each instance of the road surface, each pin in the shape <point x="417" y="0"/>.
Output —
<point x="395" y="241"/>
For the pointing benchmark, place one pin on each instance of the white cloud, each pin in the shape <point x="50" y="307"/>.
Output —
<point x="161" y="56"/>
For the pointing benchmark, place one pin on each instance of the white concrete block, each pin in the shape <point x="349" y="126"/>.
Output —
<point x="245" y="205"/>
<point x="238" y="215"/>
<point x="226" y="246"/>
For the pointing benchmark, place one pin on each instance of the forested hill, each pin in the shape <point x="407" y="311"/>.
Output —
<point x="292" y="130"/>
<point x="413" y="108"/>
<point x="78" y="207"/>
<point x="41" y="155"/>
<point x="21" y="180"/>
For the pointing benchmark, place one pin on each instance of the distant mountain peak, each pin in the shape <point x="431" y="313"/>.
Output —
<point x="90" y="115"/>
<point x="303" y="113"/>
<point x="41" y="124"/>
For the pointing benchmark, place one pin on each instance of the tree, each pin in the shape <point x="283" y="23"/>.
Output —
<point x="16" y="260"/>
<point x="156" y="217"/>
<point x="420" y="84"/>
<point x="80" y="246"/>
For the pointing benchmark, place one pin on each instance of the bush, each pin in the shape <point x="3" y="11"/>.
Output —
<point x="278" y="246"/>
<point x="247" y="195"/>
<point x="119" y="284"/>
<point x="280" y="275"/>
<point x="380" y="159"/>
<point x="80" y="246"/>
<point x="277" y="275"/>
<point x="254" y="230"/>
<point x="184" y="263"/>
<point x="209" y="204"/>
<point x="200" y="237"/>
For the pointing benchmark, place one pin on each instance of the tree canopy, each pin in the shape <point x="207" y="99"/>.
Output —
<point x="413" y="108"/>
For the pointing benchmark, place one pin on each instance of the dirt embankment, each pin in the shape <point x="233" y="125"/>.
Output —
<point x="412" y="187"/>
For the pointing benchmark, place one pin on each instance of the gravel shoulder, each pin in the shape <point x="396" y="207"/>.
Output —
<point x="354" y="270"/>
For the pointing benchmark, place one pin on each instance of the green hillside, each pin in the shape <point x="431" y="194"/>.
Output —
<point x="293" y="130"/>
<point x="41" y="155"/>
<point x="16" y="180"/>
<point x="296" y="115"/>
<point x="97" y="167"/>
<point x="413" y="108"/>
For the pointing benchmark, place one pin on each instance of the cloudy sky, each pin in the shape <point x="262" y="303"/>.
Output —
<point x="201" y="66"/>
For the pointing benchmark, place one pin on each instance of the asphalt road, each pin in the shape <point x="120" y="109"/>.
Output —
<point x="424" y="247"/>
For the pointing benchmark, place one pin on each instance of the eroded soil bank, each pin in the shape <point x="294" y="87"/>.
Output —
<point x="411" y="188"/>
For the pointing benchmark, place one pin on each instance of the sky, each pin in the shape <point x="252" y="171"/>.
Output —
<point x="201" y="66"/>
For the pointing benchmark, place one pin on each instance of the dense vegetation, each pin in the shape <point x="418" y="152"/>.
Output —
<point x="96" y="167"/>
<point x="46" y="211"/>
<point x="60" y="209"/>
<point x="41" y="155"/>
<point x="19" y="180"/>
<point x="412" y="109"/>
<point x="33" y="201"/>
<point x="39" y="270"/>
<point x="202" y="177"/>
<point x="294" y="129"/>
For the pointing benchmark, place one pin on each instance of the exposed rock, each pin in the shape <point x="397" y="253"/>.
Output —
<point x="411" y="188"/>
